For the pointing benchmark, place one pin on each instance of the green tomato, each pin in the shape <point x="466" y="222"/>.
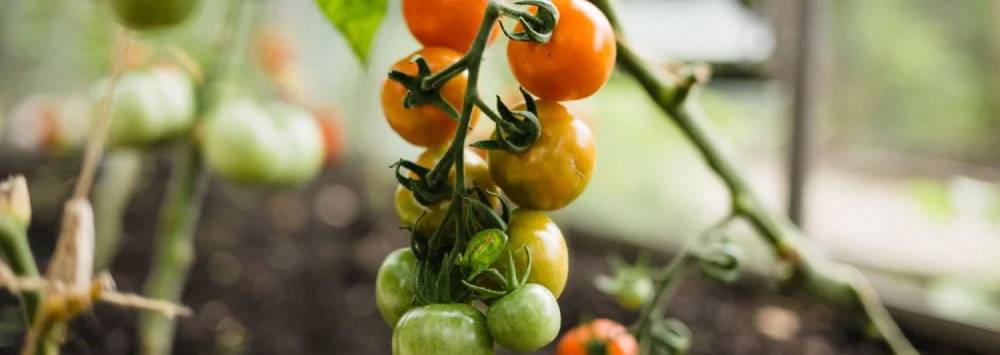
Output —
<point x="274" y="144"/>
<point x="635" y="292"/>
<point x="442" y="329"/>
<point x="395" y="285"/>
<point x="151" y="14"/>
<point x="150" y="105"/>
<point x="524" y="320"/>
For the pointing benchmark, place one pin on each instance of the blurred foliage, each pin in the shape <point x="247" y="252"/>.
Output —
<point x="358" y="20"/>
<point x="914" y="75"/>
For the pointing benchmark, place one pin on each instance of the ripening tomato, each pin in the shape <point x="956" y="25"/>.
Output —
<point x="333" y="134"/>
<point x="600" y="336"/>
<point x="409" y="210"/>
<point x="525" y="319"/>
<point x="555" y="170"/>
<point x="426" y="125"/>
<point x="146" y="14"/>
<point x="272" y="144"/>
<point x="395" y="285"/>
<point x="442" y="329"/>
<point x="545" y="242"/>
<point x="150" y="105"/>
<point x="576" y="61"/>
<point x="446" y="23"/>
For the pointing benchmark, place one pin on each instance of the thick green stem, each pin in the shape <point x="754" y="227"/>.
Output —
<point x="122" y="172"/>
<point x="14" y="245"/>
<point x="838" y="285"/>
<point x="174" y="248"/>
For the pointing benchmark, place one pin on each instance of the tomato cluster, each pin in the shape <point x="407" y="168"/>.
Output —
<point x="479" y="271"/>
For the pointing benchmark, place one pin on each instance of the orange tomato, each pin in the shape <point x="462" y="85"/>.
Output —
<point x="576" y="61"/>
<point x="425" y="125"/>
<point x="555" y="170"/>
<point x="446" y="23"/>
<point x="600" y="334"/>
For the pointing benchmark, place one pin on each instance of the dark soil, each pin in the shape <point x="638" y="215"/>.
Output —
<point x="292" y="273"/>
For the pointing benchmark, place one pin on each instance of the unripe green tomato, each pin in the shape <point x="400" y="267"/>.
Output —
<point x="395" y="285"/>
<point x="272" y="144"/>
<point x="635" y="292"/>
<point x="442" y="329"/>
<point x="150" y="105"/>
<point x="524" y="320"/>
<point x="151" y="14"/>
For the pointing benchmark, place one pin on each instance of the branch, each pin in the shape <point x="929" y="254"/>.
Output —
<point x="838" y="285"/>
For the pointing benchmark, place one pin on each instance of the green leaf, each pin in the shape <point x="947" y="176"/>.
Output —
<point x="357" y="20"/>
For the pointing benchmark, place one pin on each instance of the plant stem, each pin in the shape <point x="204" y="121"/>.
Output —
<point x="835" y="284"/>
<point x="14" y="243"/>
<point x="174" y="248"/>
<point x="123" y="169"/>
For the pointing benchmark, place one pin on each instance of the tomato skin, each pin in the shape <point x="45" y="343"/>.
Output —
<point x="150" y="106"/>
<point x="409" y="210"/>
<point x="426" y="125"/>
<point x="555" y="170"/>
<point x="524" y="320"/>
<point x="549" y="255"/>
<point x="577" y="60"/>
<point x="442" y="329"/>
<point x="615" y="339"/>
<point x="395" y="285"/>
<point x="145" y="14"/>
<point x="446" y="23"/>
<point x="272" y="144"/>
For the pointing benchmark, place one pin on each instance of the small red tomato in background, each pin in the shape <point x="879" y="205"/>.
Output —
<point x="334" y="139"/>
<point x="600" y="336"/>
<point x="446" y="23"/>
<point x="576" y="61"/>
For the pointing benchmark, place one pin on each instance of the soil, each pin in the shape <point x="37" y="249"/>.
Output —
<point x="281" y="272"/>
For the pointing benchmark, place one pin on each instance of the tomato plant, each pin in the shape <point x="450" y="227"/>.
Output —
<point x="425" y="125"/>
<point x="468" y="241"/>
<point x="525" y="319"/>
<point x="145" y="14"/>
<point x="555" y="170"/>
<point x="442" y="329"/>
<point x="272" y="144"/>
<point x="445" y="23"/>
<point x="600" y="336"/>
<point x="576" y="61"/>
<point x="394" y="285"/>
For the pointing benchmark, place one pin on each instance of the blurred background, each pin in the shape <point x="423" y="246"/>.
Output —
<point x="874" y="124"/>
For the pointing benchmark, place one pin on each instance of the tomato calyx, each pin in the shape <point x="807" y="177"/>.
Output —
<point x="419" y="94"/>
<point x="670" y="336"/>
<point x="428" y="188"/>
<point x="718" y="258"/>
<point x="536" y="27"/>
<point x="516" y="131"/>
<point x="509" y="282"/>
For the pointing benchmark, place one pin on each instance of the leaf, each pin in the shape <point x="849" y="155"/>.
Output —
<point x="357" y="21"/>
